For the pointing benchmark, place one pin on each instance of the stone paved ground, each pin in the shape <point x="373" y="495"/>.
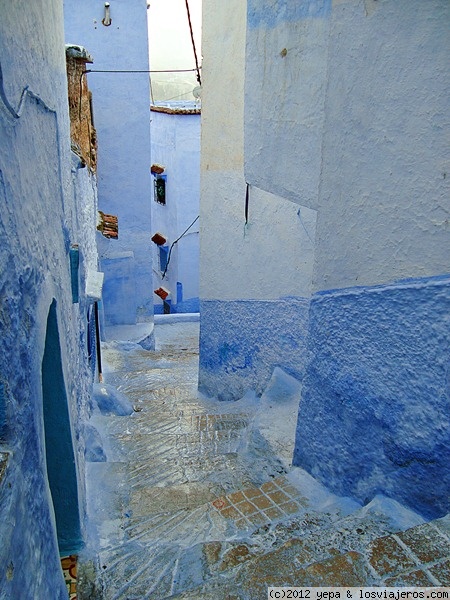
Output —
<point x="193" y="502"/>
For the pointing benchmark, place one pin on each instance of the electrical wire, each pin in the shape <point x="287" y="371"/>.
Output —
<point x="175" y="242"/>
<point x="142" y="71"/>
<point x="193" y="43"/>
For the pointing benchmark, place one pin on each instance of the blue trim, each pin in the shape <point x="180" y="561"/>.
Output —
<point x="403" y="283"/>
<point x="163" y="257"/>
<point x="74" y="254"/>
<point x="179" y="292"/>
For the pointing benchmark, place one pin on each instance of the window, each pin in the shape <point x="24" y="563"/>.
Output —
<point x="159" y="184"/>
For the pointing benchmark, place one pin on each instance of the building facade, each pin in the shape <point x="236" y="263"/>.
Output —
<point x="117" y="39"/>
<point x="345" y="144"/>
<point x="47" y="251"/>
<point x="176" y="149"/>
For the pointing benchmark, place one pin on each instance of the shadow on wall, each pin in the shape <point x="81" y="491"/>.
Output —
<point x="60" y="459"/>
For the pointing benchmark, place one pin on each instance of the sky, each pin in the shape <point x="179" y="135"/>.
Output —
<point x="171" y="47"/>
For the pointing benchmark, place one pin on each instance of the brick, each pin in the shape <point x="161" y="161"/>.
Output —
<point x="426" y="543"/>
<point x="211" y="552"/>
<point x="221" y="503"/>
<point x="387" y="556"/>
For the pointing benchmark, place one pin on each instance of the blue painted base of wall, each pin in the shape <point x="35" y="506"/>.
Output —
<point x="191" y="305"/>
<point x="241" y="342"/>
<point x="375" y="409"/>
<point x="119" y="289"/>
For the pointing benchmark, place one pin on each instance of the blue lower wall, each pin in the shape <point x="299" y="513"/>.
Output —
<point x="191" y="305"/>
<point x="241" y="342"/>
<point x="375" y="408"/>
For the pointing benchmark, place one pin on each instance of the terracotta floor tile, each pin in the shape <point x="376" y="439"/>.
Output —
<point x="442" y="572"/>
<point x="273" y="513"/>
<point x="230" y="513"/>
<point x="426" y="543"/>
<point x="246" y="508"/>
<point x="387" y="556"/>
<point x="290" y="508"/>
<point x="252" y="493"/>
<point x="278" y="497"/>
<point x="346" y="570"/>
<point x="416" y="578"/>
<point x="258" y="518"/>
<point x="221" y="503"/>
<point x="236" y="497"/>
<point x="268" y="487"/>
<point x="262" y="502"/>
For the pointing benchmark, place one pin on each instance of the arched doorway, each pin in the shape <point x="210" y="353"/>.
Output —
<point x="60" y="458"/>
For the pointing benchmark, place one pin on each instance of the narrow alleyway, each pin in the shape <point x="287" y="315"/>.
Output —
<point x="197" y="498"/>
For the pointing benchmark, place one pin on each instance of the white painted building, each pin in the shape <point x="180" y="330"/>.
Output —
<point x="324" y="233"/>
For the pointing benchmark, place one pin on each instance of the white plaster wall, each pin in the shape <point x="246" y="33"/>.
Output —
<point x="272" y="256"/>
<point x="285" y="92"/>
<point x="385" y="186"/>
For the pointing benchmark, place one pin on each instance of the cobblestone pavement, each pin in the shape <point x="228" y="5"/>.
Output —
<point x="193" y="502"/>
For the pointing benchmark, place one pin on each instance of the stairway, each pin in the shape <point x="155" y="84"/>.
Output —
<point x="194" y="502"/>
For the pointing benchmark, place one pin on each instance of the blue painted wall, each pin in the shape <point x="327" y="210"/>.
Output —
<point x="47" y="204"/>
<point x="374" y="410"/>
<point x="121" y="103"/>
<point x="374" y="414"/>
<point x="245" y="340"/>
<point x="176" y="145"/>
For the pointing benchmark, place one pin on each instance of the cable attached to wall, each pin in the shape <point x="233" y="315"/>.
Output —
<point x="175" y="242"/>
<point x="193" y="43"/>
<point x="246" y="203"/>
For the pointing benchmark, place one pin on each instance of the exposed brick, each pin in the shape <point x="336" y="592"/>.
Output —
<point x="290" y="508"/>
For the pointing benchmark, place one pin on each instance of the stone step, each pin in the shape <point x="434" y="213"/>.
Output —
<point x="347" y="553"/>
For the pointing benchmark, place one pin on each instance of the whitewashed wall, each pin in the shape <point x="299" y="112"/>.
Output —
<point x="248" y="271"/>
